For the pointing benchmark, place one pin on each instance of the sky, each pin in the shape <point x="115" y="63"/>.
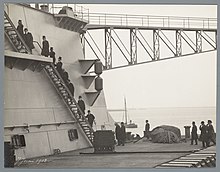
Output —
<point x="184" y="82"/>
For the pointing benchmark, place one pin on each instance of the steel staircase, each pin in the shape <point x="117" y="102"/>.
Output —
<point x="69" y="101"/>
<point x="20" y="46"/>
<point x="13" y="35"/>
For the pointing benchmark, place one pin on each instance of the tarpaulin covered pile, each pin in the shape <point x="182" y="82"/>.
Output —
<point x="166" y="134"/>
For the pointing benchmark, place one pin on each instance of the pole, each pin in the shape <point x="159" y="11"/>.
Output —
<point x="125" y="111"/>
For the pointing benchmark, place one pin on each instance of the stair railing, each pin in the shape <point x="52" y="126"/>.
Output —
<point x="15" y="29"/>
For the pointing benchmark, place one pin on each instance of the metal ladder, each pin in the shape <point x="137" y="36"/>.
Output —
<point x="69" y="101"/>
<point x="13" y="36"/>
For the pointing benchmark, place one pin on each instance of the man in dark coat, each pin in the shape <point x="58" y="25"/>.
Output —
<point x="123" y="134"/>
<point x="71" y="87"/>
<point x="28" y="38"/>
<point x="65" y="76"/>
<point x="147" y="130"/>
<point x="45" y="48"/>
<point x="210" y="133"/>
<point x="52" y="55"/>
<point x="81" y="105"/>
<point x="203" y="135"/>
<point x="194" y="135"/>
<point x="20" y="29"/>
<point x="91" y="118"/>
<point x="118" y="134"/>
<point x="59" y="65"/>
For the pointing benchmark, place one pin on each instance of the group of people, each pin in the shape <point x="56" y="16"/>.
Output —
<point x="120" y="133"/>
<point x="207" y="134"/>
<point x="26" y="35"/>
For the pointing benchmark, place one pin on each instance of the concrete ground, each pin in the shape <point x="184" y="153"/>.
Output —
<point x="125" y="159"/>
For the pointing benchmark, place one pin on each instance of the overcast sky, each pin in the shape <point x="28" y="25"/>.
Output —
<point x="185" y="82"/>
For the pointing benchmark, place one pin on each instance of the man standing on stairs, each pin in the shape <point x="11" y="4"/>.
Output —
<point x="28" y="38"/>
<point x="20" y="29"/>
<point x="81" y="105"/>
<point x="45" y="49"/>
<point x="52" y="55"/>
<point x="91" y="118"/>
<point x="59" y="65"/>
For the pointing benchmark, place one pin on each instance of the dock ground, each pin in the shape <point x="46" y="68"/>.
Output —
<point x="132" y="155"/>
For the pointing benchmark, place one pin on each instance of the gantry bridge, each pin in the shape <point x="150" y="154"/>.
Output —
<point x="158" y="37"/>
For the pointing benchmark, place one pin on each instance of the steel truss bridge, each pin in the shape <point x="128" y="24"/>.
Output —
<point x="190" y="35"/>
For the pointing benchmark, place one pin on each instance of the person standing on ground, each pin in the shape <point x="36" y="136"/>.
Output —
<point x="210" y="133"/>
<point x="123" y="134"/>
<point x="81" y="105"/>
<point x="52" y="55"/>
<point x="194" y="135"/>
<point x="117" y="134"/>
<point x="28" y="38"/>
<point x="91" y="118"/>
<point x="147" y="130"/>
<point x="45" y="49"/>
<point x="203" y="135"/>
<point x="20" y="28"/>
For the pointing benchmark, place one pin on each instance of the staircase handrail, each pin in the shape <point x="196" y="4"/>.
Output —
<point x="15" y="29"/>
<point x="38" y="44"/>
<point x="79" y="109"/>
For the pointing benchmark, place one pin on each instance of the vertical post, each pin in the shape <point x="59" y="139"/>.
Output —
<point x="178" y="43"/>
<point x="198" y="41"/>
<point x="83" y="44"/>
<point x="156" y="44"/>
<point x="108" y="48"/>
<point x="133" y="46"/>
<point x="187" y="132"/>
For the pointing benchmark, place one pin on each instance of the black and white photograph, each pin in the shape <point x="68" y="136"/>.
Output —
<point x="109" y="86"/>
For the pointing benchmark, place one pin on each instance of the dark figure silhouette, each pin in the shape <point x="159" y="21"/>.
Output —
<point x="28" y="38"/>
<point x="210" y="133"/>
<point x="147" y="130"/>
<point x="45" y="49"/>
<point x="52" y="55"/>
<point x="203" y="135"/>
<point x="65" y="76"/>
<point x="194" y="135"/>
<point x="59" y="65"/>
<point x="90" y="117"/>
<point x="71" y="87"/>
<point x="123" y="134"/>
<point x="81" y="105"/>
<point x="20" y="28"/>
<point x="118" y="133"/>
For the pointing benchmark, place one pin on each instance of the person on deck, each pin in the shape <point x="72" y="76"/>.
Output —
<point x="28" y="38"/>
<point x="45" y="49"/>
<point x="194" y="135"/>
<point x="203" y="135"/>
<point x="52" y="55"/>
<point x="123" y="134"/>
<point x="91" y="118"/>
<point x="81" y="105"/>
<point x="147" y="130"/>
<point x="118" y="134"/>
<point x="210" y="133"/>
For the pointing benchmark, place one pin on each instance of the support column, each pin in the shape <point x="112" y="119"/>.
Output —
<point x="198" y="41"/>
<point x="83" y="44"/>
<point x="178" y="43"/>
<point x="108" y="48"/>
<point x="156" y="44"/>
<point x="133" y="46"/>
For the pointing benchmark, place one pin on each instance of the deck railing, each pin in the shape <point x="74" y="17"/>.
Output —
<point x="150" y="20"/>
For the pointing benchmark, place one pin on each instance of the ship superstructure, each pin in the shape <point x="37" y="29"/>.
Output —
<point x="41" y="116"/>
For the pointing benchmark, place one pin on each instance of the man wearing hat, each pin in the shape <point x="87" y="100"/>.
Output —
<point x="210" y="133"/>
<point x="81" y="105"/>
<point x="28" y="38"/>
<point x="91" y="118"/>
<point x="203" y="135"/>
